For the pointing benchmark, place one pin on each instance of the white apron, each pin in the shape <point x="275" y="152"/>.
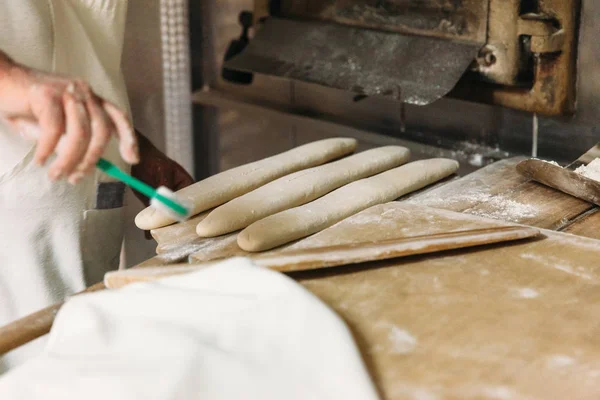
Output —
<point x="55" y="239"/>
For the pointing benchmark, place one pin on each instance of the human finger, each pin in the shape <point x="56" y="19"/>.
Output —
<point x="128" y="145"/>
<point x="101" y="130"/>
<point x="75" y="143"/>
<point x="48" y="110"/>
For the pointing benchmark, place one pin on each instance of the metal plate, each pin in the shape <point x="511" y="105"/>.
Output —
<point x="413" y="69"/>
<point x="450" y="19"/>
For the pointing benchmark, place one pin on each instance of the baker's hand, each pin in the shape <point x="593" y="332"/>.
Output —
<point x="156" y="169"/>
<point x="63" y="106"/>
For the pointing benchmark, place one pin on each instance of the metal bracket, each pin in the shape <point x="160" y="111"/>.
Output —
<point x="551" y="38"/>
<point x="545" y="36"/>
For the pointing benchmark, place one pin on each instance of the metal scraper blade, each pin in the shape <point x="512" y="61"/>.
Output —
<point x="414" y="69"/>
<point x="563" y="179"/>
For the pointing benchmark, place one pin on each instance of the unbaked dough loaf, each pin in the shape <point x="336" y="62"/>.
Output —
<point x="227" y="185"/>
<point x="299" y="188"/>
<point x="305" y="220"/>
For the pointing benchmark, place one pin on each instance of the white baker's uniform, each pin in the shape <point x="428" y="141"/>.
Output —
<point x="55" y="238"/>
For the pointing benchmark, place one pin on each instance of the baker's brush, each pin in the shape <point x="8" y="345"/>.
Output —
<point x="161" y="199"/>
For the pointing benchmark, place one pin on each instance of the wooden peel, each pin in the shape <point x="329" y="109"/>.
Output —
<point x="332" y="256"/>
<point x="563" y="179"/>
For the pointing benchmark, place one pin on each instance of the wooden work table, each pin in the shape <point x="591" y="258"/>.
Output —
<point x="516" y="321"/>
<point x="506" y="322"/>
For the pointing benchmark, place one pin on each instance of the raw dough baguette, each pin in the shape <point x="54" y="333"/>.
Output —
<point x="227" y="185"/>
<point x="299" y="188"/>
<point x="305" y="220"/>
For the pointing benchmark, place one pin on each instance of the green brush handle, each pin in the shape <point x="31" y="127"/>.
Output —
<point x="148" y="191"/>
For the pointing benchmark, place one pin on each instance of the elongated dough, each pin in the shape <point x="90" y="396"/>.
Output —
<point x="220" y="188"/>
<point x="299" y="188"/>
<point x="305" y="220"/>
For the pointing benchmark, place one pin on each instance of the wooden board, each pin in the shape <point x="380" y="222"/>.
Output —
<point x="341" y="255"/>
<point x="500" y="192"/>
<point x="475" y="188"/>
<point x="508" y="322"/>
<point x="176" y="235"/>
<point x="177" y="242"/>
<point x="395" y="220"/>
<point x="533" y="204"/>
<point x="588" y="225"/>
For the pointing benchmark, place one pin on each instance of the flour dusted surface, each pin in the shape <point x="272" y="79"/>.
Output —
<point x="592" y="170"/>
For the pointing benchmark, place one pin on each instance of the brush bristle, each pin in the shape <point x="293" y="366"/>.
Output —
<point x="158" y="205"/>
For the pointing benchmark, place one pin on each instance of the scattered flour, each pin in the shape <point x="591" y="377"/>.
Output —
<point x="560" y="361"/>
<point x="594" y="374"/>
<point x="556" y="263"/>
<point x="499" y="393"/>
<point x="402" y="341"/>
<point x="476" y="160"/>
<point x="592" y="170"/>
<point x="445" y="198"/>
<point x="527" y="293"/>
<point x="593" y="245"/>
<point x="485" y="205"/>
<point x="499" y="207"/>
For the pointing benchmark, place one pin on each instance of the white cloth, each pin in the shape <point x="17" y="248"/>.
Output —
<point x="231" y="331"/>
<point x="53" y="240"/>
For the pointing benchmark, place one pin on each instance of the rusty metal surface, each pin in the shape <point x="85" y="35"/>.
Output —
<point x="413" y="69"/>
<point x="502" y="49"/>
<point x="450" y="19"/>
<point x="552" y="39"/>
<point x="515" y="35"/>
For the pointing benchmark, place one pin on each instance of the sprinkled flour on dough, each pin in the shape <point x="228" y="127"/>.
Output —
<point x="592" y="170"/>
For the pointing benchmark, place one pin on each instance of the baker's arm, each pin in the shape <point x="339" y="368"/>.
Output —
<point x="63" y="106"/>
